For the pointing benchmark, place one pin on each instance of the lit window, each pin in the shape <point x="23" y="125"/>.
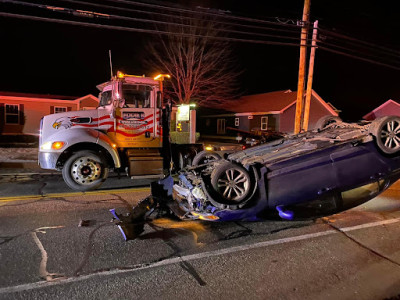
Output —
<point x="236" y="121"/>
<point x="264" y="123"/>
<point x="59" y="109"/>
<point x="221" y="126"/>
<point x="12" y="114"/>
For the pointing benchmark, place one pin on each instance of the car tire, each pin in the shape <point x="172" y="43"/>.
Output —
<point x="386" y="131"/>
<point x="204" y="157"/>
<point x="85" y="170"/>
<point x="232" y="183"/>
<point x="323" y="122"/>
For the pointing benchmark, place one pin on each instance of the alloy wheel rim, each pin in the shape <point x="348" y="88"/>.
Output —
<point x="390" y="135"/>
<point x="233" y="184"/>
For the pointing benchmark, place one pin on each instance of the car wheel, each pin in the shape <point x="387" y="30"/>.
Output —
<point x="323" y="122"/>
<point x="204" y="157"/>
<point x="387" y="134"/>
<point x="85" y="170"/>
<point x="232" y="182"/>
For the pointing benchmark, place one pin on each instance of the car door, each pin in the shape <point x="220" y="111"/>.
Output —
<point x="301" y="179"/>
<point x="358" y="165"/>
<point x="360" y="172"/>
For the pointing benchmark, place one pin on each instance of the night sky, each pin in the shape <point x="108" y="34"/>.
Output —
<point x="46" y="58"/>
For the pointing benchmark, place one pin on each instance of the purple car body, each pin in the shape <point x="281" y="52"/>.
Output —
<point x="330" y="169"/>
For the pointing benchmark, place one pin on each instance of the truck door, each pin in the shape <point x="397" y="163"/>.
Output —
<point x="137" y="117"/>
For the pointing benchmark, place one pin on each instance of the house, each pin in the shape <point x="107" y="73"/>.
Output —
<point x="268" y="111"/>
<point x="20" y="114"/>
<point x="389" y="108"/>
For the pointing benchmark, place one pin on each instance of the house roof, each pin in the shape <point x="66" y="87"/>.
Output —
<point x="272" y="103"/>
<point x="45" y="98"/>
<point x="40" y="96"/>
<point x="371" y="115"/>
<point x="265" y="102"/>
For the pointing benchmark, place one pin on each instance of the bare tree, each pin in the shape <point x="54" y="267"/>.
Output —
<point x="201" y="65"/>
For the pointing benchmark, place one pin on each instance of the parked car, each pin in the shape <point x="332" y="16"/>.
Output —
<point x="330" y="169"/>
<point x="246" y="139"/>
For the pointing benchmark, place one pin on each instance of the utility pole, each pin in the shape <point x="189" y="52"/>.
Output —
<point x="302" y="66"/>
<point x="310" y="77"/>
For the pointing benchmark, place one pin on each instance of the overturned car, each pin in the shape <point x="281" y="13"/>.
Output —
<point x="330" y="169"/>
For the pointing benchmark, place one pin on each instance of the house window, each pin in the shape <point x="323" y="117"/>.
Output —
<point x="221" y="126"/>
<point x="59" y="109"/>
<point x="12" y="114"/>
<point x="236" y="121"/>
<point x="264" y="123"/>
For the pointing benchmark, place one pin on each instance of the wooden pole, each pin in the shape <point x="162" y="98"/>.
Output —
<point x="310" y="77"/>
<point x="302" y="67"/>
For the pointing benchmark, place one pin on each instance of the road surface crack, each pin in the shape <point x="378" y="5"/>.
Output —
<point x="327" y="221"/>
<point x="43" y="263"/>
<point x="89" y="249"/>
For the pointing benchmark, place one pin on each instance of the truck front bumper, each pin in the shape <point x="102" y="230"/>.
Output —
<point x="48" y="160"/>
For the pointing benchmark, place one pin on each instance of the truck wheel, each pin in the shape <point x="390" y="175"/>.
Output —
<point x="204" y="157"/>
<point x="85" y="170"/>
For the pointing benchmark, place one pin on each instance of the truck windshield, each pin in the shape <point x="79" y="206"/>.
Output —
<point x="137" y="96"/>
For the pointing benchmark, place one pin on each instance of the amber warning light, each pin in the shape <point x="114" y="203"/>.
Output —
<point x="162" y="76"/>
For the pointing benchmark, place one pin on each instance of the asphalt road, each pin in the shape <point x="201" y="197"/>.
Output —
<point x="45" y="254"/>
<point x="23" y="184"/>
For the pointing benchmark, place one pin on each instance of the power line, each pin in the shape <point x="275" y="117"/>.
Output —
<point x="295" y="30"/>
<point x="196" y="12"/>
<point x="358" y="51"/>
<point x="131" y="29"/>
<point x="332" y="33"/>
<point x="353" y="41"/>
<point x="110" y="16"/>
<point x="359" y="58"/>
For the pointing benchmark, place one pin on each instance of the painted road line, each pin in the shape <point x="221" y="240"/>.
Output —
<point x="73" y="194"/>
<point x="186" y="258"/>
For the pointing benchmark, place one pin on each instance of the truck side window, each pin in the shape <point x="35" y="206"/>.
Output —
<point x="105" y="98"/>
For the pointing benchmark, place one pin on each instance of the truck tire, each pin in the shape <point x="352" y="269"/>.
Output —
<point x="85" y="170"/>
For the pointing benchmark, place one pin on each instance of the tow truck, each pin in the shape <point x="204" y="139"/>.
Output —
<point x="128" y="132"/>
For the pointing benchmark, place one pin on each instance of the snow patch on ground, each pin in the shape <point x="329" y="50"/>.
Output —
<point x="9" y="155"/>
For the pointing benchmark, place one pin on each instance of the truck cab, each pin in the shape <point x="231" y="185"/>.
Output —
<point x="124" y="132"/>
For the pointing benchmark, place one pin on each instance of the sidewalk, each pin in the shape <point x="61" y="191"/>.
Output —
<point x="20" y="160"/>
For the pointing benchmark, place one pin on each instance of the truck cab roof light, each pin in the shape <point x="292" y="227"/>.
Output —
<point x="123" y="75"/>
<point x="162" y="76"/>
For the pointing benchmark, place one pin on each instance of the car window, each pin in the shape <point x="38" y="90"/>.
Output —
<point x="363" y="193"/>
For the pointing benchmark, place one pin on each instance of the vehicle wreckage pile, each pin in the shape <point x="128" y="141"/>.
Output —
<point x="333" y="168"/>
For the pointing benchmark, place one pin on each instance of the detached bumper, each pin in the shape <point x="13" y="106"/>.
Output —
<point x="48" y="160"/>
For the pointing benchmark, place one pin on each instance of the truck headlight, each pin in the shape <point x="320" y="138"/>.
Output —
<point x="52" y="145"/>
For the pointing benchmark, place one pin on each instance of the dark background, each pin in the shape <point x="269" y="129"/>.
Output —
<point x="47" y="58"/>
